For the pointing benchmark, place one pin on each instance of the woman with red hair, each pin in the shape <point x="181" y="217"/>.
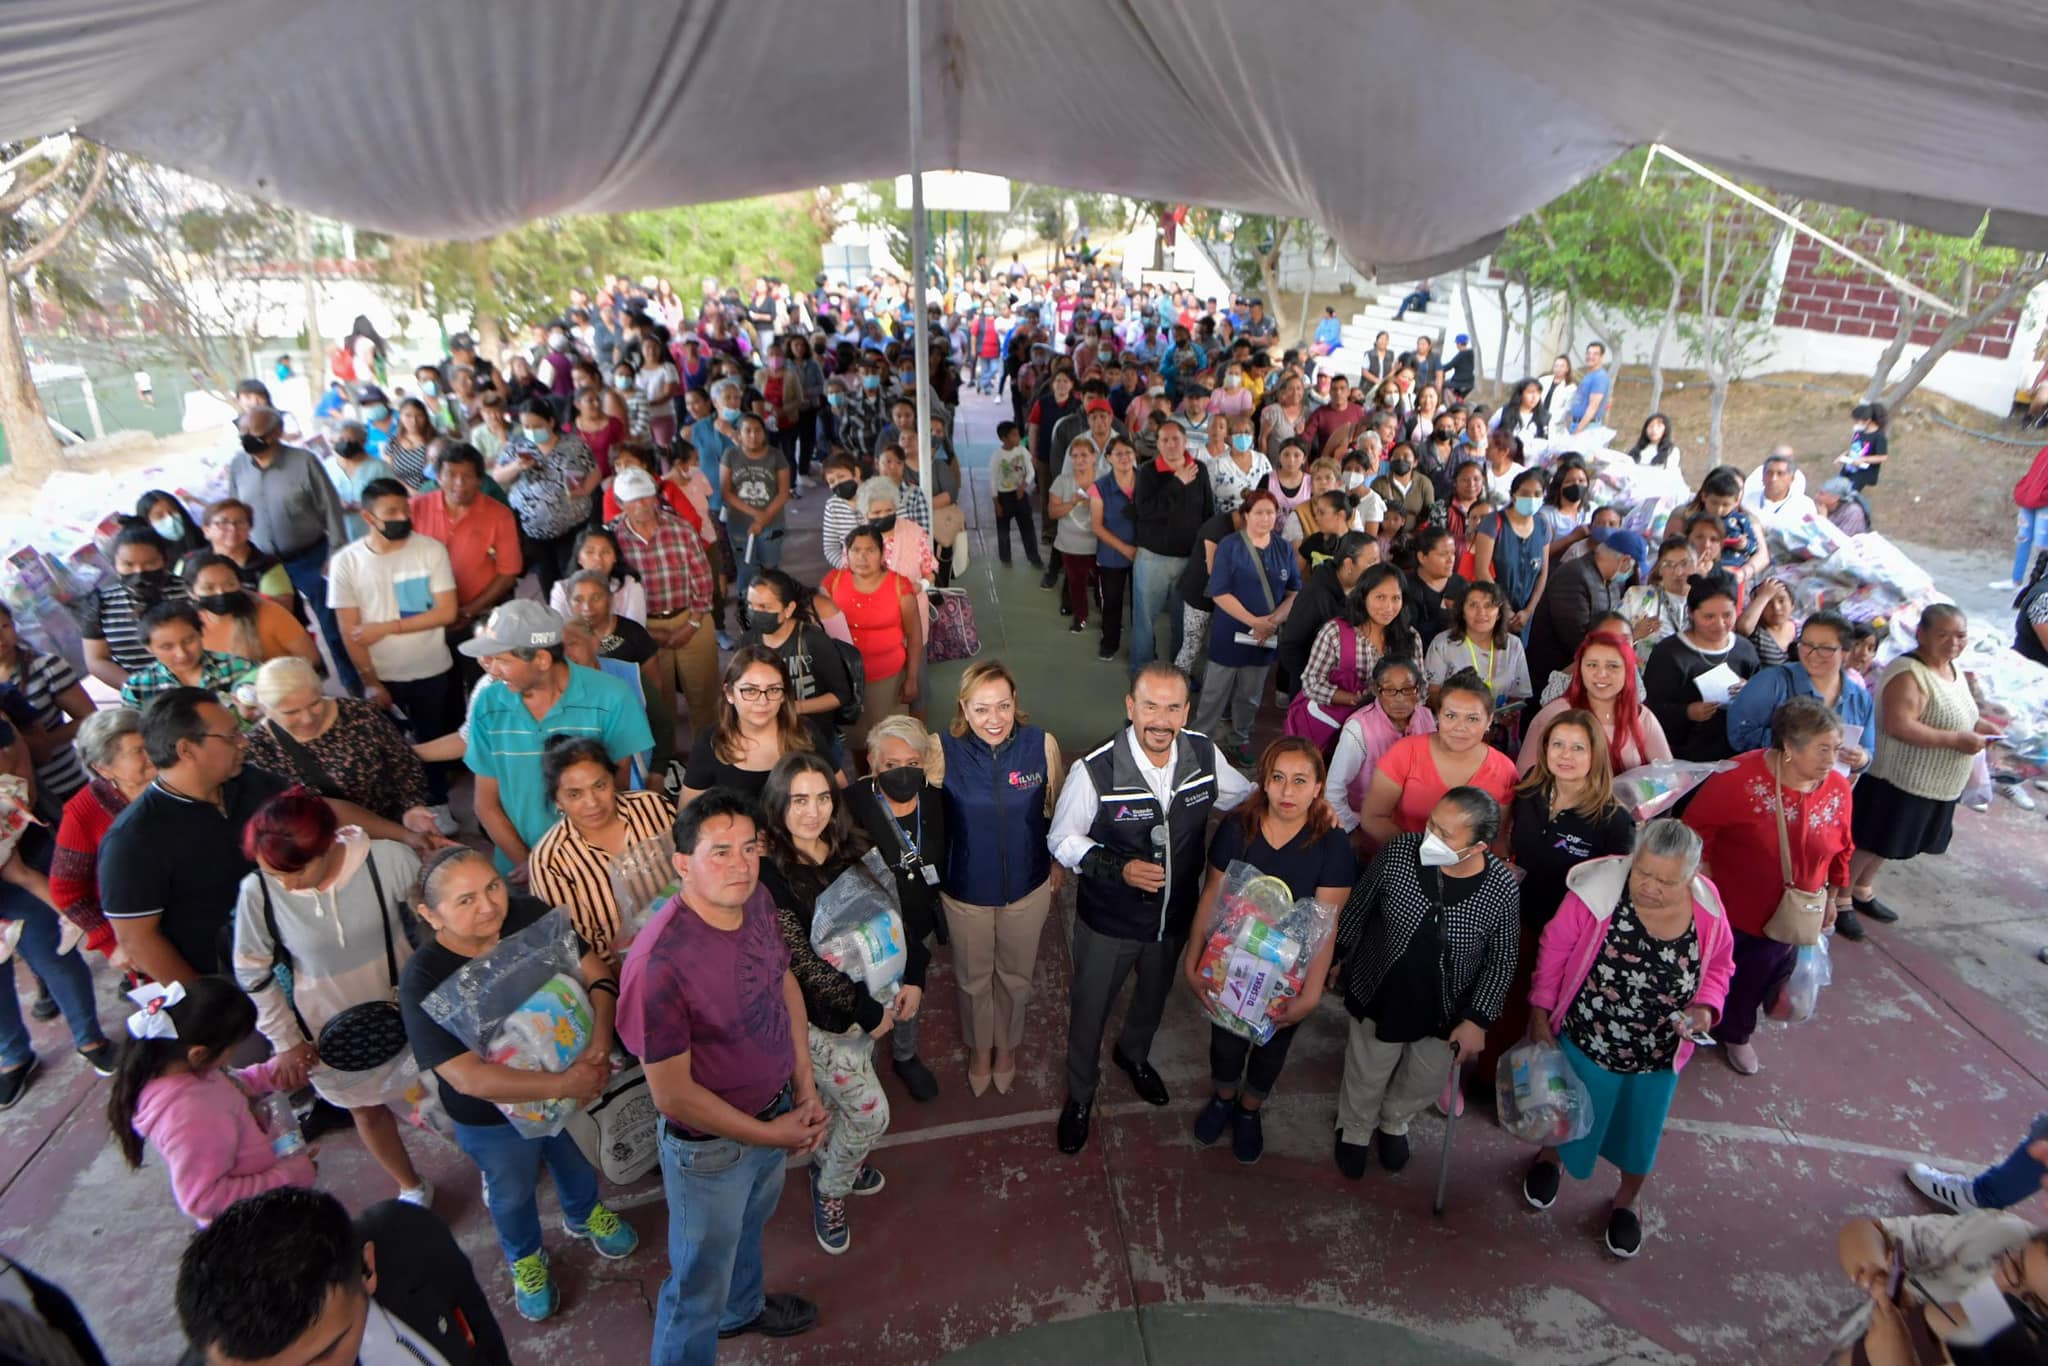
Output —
<point x="1286" y="830"/>
<point x="328" y="902"/>
<point x="1605" y="683"/>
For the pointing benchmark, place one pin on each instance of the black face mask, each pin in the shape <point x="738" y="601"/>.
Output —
<point x="1400" y="466"/>
<point x="255" y="445"/>
<point x="224" y="604"/>
<point x="885" y="524"/>
<point x="1571" y="493"/>
<point x="349" y="449"/>
<point x="397" y="529"/>
<point x="147" y="585"/>
<point x="845" y="488"/>
<point x="900" y="784"/>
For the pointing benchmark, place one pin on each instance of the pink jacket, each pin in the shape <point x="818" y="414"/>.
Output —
<point x="1572" y="940"/>
<point x="210" y="1138"/>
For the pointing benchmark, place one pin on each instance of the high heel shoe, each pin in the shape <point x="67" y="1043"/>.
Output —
<point x="1004" y="1080"/>
<point x="978" y="1084"/>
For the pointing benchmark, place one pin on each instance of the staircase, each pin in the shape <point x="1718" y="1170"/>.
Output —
<point x="1378" y="316"/>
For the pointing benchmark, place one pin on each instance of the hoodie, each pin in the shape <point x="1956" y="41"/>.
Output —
<point x="209" y="1136"/>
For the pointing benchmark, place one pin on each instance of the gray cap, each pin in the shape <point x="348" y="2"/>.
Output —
<point x="521" y="624"/>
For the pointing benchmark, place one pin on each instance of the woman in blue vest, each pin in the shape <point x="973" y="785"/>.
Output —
<point x="1002" y="775"/>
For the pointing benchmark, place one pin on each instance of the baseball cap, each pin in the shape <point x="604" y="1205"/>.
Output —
<point x="521" y="624"/>
<point x="1622" y="541"/>
<point x="367" y="394"/>
<point x="1195" y="390"/>
<point x="1097" y="405"/>
<point x="1462" y="340"/>
<point x="462" y="341"/>
<point x="633" y="483"/>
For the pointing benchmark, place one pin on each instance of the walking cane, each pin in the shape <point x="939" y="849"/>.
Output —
<point x="1443" y="1171"/>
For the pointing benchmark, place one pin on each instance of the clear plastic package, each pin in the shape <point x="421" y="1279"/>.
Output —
<point x="1261" y="944"/>
<point x="1541" y="1099"/>
<point x="1653" y="789"/>
<point x="1799" y="999"/>
<point x="857" y="927"/>
<point x="643" y="881"/>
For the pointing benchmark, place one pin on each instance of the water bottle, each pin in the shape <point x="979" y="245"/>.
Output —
<point x="282" y="1123"/>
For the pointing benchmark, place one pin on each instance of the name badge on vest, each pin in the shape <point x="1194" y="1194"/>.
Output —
<point x="931" y="874"/>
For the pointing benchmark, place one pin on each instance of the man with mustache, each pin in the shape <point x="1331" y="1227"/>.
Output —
<point x="1131" y="822"/>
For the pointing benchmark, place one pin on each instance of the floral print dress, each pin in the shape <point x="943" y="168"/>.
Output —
<point x="1621" y="1017"/>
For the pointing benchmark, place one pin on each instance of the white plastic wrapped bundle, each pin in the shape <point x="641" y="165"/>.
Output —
<point x="546" y="1033"/>
<point x="1806" y="537"/>
<point x="1540" y="1099"/>
<point x="1259" y="951"/>
<point x="2015" y="686"/>
<point x="1653" y="789"/>
<point x="857" y="927"/>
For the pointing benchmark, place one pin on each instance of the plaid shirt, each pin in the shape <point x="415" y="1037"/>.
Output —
<point x="671" y="564"/>
<point x="217" y="673"/>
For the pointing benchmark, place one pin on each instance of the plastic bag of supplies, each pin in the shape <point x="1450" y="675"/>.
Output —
<point x="1799" y="998"/>
<point x="1653" y="789"/>
<point x="1260" y="948"/>
<point x="522" y="1005"/>
<point x="857" y="927"/>
<point x="1541" y="1099"/>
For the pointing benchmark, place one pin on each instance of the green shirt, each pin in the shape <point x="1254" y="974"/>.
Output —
<point x="217" y="673"/>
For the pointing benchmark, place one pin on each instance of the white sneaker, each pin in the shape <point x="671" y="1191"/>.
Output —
<point x="444" y="819"/>
<point x="2018" y="795"/>
<point x="2004" y="586"/>
<point x="1943" y="1188"/>
<point x="421" y="1195"/>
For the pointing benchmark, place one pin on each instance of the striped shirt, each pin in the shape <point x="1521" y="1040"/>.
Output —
<point x="110" y="614"/>
<point x="41" y="678"/>
<point x="567" y="870"/>
<point x="671" y="562"/>
<point x="506" y="740"/>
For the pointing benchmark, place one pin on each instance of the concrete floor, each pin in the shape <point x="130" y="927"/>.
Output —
<point x="988" y="1246"/>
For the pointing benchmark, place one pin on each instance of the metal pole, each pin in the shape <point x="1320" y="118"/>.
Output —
<point x="921" y="325"/>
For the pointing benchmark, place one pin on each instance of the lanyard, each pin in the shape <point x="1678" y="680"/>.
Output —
<point x="914" y="853"/>
<point x="1491" y="650"/>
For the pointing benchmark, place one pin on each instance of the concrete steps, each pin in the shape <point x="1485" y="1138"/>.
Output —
<point x="1377" y="316"/>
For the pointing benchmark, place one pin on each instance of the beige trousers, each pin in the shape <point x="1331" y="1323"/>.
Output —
<point x="995" y="952"/>
<point x="1387" y="1084"/>
<point x="884" y="697"/>
<point x="693" y="670"/>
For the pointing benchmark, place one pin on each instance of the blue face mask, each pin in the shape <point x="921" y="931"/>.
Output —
<point x="870" y="381"/>
<point x="376" y="412"/>
<point x="1241" y="441"/>
<point x="430" y="389"/>
<point x="622" y="381"/>
<point x="835" y="399"/>
<point x="729" y="414"/>
<point x="1527" y="506"/>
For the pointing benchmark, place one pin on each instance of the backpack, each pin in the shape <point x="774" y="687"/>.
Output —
<point x="856" y="676"/>
<point x="2031" y="492"/>
<point x="341" y="363"/>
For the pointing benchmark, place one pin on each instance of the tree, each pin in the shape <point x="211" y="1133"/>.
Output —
<point x="1737" y="247"/>
<point x="31" y="231"/>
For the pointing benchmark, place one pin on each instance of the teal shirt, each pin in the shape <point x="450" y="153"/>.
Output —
<point x="505" y="741"/>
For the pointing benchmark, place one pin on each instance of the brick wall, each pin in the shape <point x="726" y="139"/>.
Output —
<point x="1818" y="299"/>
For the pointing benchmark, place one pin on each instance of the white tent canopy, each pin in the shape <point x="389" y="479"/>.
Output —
<point x="1415" y="130"/>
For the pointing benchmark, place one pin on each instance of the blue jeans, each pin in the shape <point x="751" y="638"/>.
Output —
<point x="67" y="977"/>
<point x="511" y="1167"/>
<point x="721" y="1193"/>
<point x="767" y="555"/>
<point x="2016" y="1179"/>
<point x="987" y="370"/>
<point x="2032" y="537"/>
<point x="308" y="573"/>
<point x="1152" y="579"/>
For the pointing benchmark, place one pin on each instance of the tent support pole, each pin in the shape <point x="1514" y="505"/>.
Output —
<point x="921" y="323"/>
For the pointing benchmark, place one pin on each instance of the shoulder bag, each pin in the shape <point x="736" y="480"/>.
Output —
<point x="1244" y="636"/>
<point x="366" y="1035"/>
<point x="1800" y="913"/>
<point x="305" y="764"/>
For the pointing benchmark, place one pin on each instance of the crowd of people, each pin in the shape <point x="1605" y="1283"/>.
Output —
<point x="1467" y="654"/>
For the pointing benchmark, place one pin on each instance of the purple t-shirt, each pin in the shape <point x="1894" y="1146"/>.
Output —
<point x="714" y="994"/>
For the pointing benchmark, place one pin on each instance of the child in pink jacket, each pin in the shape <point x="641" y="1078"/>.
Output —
<point x="1626" y="983"/>
<point x="170" y="1090"/>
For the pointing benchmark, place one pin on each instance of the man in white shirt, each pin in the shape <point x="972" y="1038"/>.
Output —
<point x="1778" y="495"/>
<point x="1131" y="823"/>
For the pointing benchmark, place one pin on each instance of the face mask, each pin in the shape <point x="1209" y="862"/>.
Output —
<point x="1571" y="493"/>
<point x="224" y="604"/>
<point x="351" y="449"/>
<point x="835" y="400"/>
<point x="1527" y="506"/>
<point x="622" y="381"/>
<point x="729" y="414"/>
<point x="1400" y="466"/>
<point x="396" y="529"/>
<point x="147" y="585"/>
<point x="1233" y="381"/>
<point x="885" y="523"/>
<point x="900" y="784"/>
<point x="1620" y="578"/>
<point x="557" y="340"/>
<point x="775" y="362"/>
<point x="870" y="382"/>
<point x="1445" y="434"/>
<point x="170" y="528"/>
<point x="907" y="378"/>
<point x="1354" y="478"/>
<point x="1434" y="853"/>
<point x="1241" y="441"/>
<point x="255" y="445"/>
<point x="376" y="412"/>
<point x="430" y="389"/>
<point x="1105" y="353"/>
<point x="537" y="435"/>
<point x="845" y="488"/>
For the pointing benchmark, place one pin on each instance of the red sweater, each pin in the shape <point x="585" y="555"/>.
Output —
<point x="74" y="868"/>
<point x="1732" y="813"/>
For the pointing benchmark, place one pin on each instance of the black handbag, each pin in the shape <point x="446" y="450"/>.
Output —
<point x="366" y="1035"/>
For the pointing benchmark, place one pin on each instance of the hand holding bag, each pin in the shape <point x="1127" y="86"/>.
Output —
<point x="1800" y="913"/>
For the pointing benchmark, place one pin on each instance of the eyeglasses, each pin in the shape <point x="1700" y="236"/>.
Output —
<point x="1822" y="650"/>
<point x="748" y="692"/>
<point x="1408" y="691"/>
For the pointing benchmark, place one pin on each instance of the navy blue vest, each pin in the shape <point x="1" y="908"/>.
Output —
<point x="1126" y="813"/>
<point x="996" y="817"/>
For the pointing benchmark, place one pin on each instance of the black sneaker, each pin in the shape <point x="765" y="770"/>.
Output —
<point x="1875" y="909"/>
<point x="781" y="1316"/>
<point x="1849" y="925"/>
<point x="1247" y="1135"/>
<point x="323" y="1118"/>
<point x="1214" y="1119"/>
<point x="1077" y="628"/>
<point x="1393" y="1149"/>
<point x="14" y="1082"/>
<point x="1047" y="580"/>
<point x="917" y="1079"/>
<point x="100" y="1056"/>
<point x="1624" y="1236"/>
<point x="1539" y="1184"/>
<point x="1073" y="1126"/>
<point x="44" y="1007"/>
<point x="1106" y="655"/>
<point x="1351" y="1159"/>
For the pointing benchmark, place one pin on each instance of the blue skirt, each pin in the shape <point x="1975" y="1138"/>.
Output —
<point x="1629" y="1109"/>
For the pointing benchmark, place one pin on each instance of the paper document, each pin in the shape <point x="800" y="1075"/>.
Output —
<point x="1718" y="684"/>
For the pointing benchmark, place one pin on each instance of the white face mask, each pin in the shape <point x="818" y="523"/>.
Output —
<point x="1434" y="853"/>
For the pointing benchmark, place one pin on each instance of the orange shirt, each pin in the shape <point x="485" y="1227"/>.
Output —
<point x="278" y="633"/>
<point x="1412" y="764"/>
<point x="483" y="545"/>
